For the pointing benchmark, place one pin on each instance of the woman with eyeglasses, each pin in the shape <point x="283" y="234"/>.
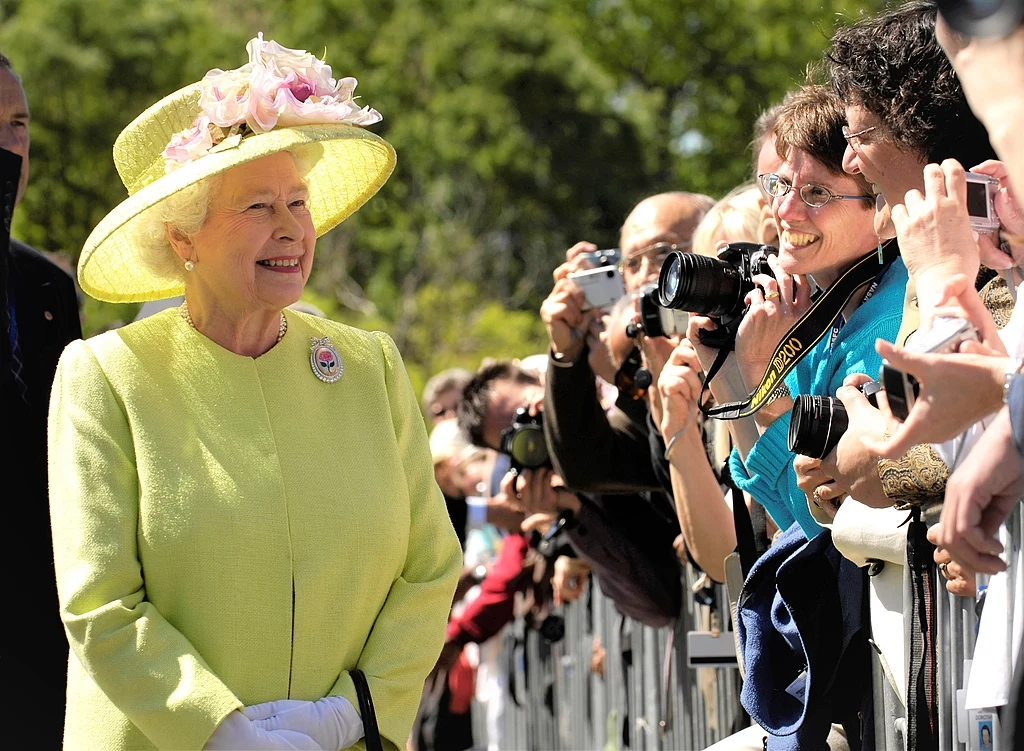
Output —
<point x="800" y="610"/>
<point x="825" y="219"/>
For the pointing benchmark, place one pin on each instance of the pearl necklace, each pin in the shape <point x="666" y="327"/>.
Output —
<point x="282" y="329"/>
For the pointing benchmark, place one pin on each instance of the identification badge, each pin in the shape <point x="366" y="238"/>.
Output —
<point x="983" y="730"/>
<point x="324" y="360"/>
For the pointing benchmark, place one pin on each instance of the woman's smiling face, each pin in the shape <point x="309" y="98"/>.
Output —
<point x="255" y="249"/>
<point x="821" y="242"/>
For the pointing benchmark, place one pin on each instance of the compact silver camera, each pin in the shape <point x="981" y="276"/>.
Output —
<point x="981" y="193"/>
<point x="945" y="336"/>
<point x="595" y="258"/>
<point x="601" y="287"/>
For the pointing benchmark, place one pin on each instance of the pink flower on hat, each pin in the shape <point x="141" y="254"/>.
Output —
<point x="190" y="143"/>
<point x="278" y="87"/>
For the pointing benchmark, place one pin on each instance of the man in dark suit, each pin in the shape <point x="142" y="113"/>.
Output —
<point x="40" y="316"/>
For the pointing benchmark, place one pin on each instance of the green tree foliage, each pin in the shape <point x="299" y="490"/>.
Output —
<point x="521" y="127"/>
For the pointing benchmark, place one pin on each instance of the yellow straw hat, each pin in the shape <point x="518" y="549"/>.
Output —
<point x="283" y="100"/>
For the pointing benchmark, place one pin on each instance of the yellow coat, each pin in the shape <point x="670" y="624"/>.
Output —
<point x="230" y="530"/>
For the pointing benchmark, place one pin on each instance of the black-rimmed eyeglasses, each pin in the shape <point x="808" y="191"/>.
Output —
<point x="813" y="195"/>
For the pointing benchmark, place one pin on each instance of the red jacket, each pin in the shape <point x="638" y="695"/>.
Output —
<point x="493" y="608"/>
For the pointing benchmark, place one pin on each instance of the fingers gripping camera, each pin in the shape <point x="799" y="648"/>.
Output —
<point x="946" y="335"/>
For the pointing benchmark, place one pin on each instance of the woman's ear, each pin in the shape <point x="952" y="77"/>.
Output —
<point x="181" y="243"/>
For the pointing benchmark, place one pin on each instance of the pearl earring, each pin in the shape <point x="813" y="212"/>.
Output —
<point x="189" y="265"/>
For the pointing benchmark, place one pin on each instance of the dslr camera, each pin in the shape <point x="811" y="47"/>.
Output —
<point x="524" y="441"/>
<point x="818" y="422"/>
<point x="945" y="336"/>
<point x="714" y="287"/>
<point x="657" y="319"/>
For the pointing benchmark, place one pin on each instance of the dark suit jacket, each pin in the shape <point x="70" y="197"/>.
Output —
<point x="592" y="451"/>
<point x="627" y="540"/>
<point x="34" y="646"/>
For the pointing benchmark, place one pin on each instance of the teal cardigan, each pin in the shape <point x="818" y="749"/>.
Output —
<point x="768" y="474"/>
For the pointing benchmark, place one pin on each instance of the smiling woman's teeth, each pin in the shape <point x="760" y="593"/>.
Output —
<point x="797" y="239"/>
<point x="286" y="262"/>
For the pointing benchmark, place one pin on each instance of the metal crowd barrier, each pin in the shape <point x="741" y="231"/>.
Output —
<point x="956" y="625"/>
<point x="554" y="702"/>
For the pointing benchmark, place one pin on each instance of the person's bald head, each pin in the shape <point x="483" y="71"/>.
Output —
<point x="662" y="218"/>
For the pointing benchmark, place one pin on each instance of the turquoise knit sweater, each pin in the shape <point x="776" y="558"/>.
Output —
<point x="768" y="474"/>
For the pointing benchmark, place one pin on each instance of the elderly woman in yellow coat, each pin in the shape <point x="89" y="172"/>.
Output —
<point x="243" y="503"/>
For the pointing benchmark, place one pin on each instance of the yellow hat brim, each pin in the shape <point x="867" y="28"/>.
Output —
<point x="347" y="166"/>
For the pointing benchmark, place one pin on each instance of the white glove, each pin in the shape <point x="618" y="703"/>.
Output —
<point x="237" y="732"/>
<point x="332" y="721"/>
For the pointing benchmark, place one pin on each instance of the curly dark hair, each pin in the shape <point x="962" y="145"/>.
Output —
<point x="892" y="65"/>
<point x="476" y="396"/>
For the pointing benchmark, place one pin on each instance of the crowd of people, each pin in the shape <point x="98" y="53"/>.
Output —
<point x="833" y="423"/>
<point x="810" y="391"/>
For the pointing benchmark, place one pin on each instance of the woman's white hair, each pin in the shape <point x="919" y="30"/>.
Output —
<point x="185" y="212"/>
<point x="736" y="218"/>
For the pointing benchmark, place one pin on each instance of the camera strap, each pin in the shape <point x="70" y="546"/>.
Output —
<point x="803" y="335"/>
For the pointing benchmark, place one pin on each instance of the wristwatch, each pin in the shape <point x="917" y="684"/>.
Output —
<point x="1012" y="368"/>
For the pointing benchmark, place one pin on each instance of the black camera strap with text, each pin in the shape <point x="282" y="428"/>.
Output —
<point x="803" y="335"/>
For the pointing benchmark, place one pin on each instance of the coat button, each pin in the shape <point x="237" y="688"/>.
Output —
<point x="47" y="315"/>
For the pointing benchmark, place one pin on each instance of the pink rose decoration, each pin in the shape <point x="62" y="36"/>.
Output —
<point x="278" y="87"/>
<point x="189" y="144"/>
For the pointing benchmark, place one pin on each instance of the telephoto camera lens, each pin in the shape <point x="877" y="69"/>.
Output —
<point x="524" y="440"/>
<point x="816" y="425"/>
<point x="528" y="447"/>
<point x="702" y="285"/>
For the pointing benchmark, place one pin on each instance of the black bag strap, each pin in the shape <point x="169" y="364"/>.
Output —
<point x="371" y="733"/>
<point x="922" y="713"/>
<point x="804" y="334"/>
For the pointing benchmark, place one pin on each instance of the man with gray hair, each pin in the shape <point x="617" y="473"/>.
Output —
<point x="40" y="316"/>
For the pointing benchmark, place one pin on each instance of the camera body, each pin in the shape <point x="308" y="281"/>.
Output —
<point x="655" y="318"/>
<point x="818" y="422"/>
<point x="602" y="286"/>
<point x="987" y="18"/>
<point x="594" y="258"/>
<point x="524" y="441"/>
<point x="714" y="287"/>
<point x="981" y="194"/>
<point x="945" y="336"/>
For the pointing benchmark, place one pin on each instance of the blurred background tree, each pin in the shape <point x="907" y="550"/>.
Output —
<point x="521" y="127"/>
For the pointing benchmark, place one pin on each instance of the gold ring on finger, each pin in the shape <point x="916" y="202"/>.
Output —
<point x="817" y="499"/>
<point x="771" y="295"/>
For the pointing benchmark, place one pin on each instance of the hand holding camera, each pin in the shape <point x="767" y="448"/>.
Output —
<point x="1011" y="220"/>
<point x="539" y="491"/>
<point x="680" y="387"/>
<point x="775" y="305"/>
<point x="934" y="229"/>
<point x="565" y="318"/>
<point x="926" y="383"/>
